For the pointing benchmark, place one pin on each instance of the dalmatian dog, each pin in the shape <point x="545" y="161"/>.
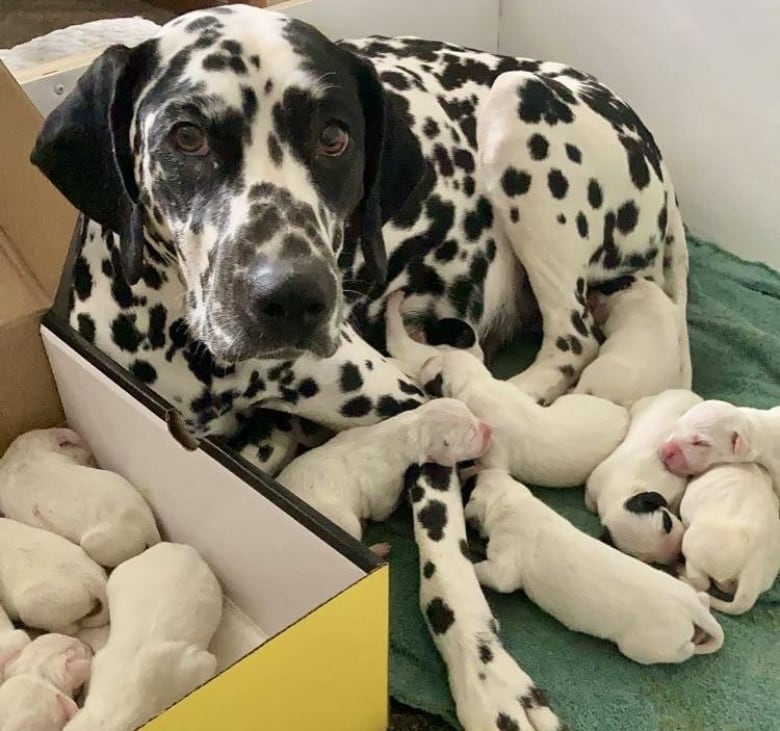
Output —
<point x="716" y="432"/>
<point x="254" y="190"/>
<point x="489" y="689"/>
<point x="732" y="537"/>
<point x="640" y="324"/>
<point x="358" y="475"/>
<point x="636" y="497"/>
<point x="588" y="586"/>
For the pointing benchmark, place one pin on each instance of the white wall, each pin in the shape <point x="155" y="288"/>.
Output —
<point x="469" y="22"/>
<point x="705" y="77"/>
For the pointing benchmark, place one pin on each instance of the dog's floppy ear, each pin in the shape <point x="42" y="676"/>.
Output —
<point x="84" y="148"/>
<point x="645" y="502"/>
<point x="394" y="167"/>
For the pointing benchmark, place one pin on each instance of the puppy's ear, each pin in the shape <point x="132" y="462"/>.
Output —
<point x="78" y="671"/>
<point x="394" y="168"/>
<point x="739" y="446"/>
<point x="68" y="705"/>
<point x="645" y="502"/>
<point x="84" y="148"/>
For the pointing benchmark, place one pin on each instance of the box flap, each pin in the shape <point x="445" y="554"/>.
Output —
<point x="36" y="219"/>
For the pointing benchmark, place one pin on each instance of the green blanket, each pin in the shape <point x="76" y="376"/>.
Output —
<point x="734" y="316"/>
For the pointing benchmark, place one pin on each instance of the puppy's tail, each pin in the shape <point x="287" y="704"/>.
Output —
<point x="708" y="634"/>
<point x="401" y="346"/>
<point x="746" y="595"/>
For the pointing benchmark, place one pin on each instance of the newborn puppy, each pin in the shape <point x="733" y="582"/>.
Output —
<point x="585" y="584"/>
<point x="553" y="446"/>
<point x="633" y="492"/>
<point x="29" y="703"/>
<point x="46" y="482"/>
<point x="62" y="661"/>
<point x="358" y="474"/>
<point x="165" y="606"/>
<point x="47" y="582"/>
<point x="716" y="432"/>
<point x="641" y="325"/>
<point x="732" y="518"/>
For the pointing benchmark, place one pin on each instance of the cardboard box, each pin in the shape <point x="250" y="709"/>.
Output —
<point x="304" y="643"/>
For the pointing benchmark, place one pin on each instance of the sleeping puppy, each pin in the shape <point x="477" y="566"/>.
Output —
<point x="632" y="491"/>
<point x="642" y="326"/>
<point x="358" y="474"/>
<point x="29" y="703"/>
<point x="585" y="584"/>
<point x="62" y="661"/>
<point x="165" y="606"/>
<point x="46" y="481"/>
<point x="716" y="432"/>
<point x="47" y="582"/>
<point x="554" y="446"/>
<point x="551" y="446"/>
<point x="732" y="517"/>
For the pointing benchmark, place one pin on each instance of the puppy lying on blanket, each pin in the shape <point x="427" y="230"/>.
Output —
<point x="357" y="475"/>
<point x="732" y="518"/>
<point x="716" y="432"/>
<point x="633" y="492"/>
<point x="643" y="352"/>
<point x="489" y="689"/>
<point x="165" y="606"/>
<point x="41" y="682"/>
<point x="554" y="446"/>
<point x="583" y="583"/>
<point x="47" y="582"/>
<point x="46" y="481"/>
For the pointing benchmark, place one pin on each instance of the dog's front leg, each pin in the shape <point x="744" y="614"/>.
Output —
<point x="489" y="689"/>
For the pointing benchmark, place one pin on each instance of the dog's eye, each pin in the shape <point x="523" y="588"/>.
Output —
<point x="699" y="442"/>
<point x="333" y="140"/>
<point x="190" y="139"/>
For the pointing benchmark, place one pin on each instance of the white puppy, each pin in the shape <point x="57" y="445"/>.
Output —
<point x="165" y="606"/>
<point x="732" y="518"/>
<point x="358" y="474"/>
<point x="29" y="703"/>
<point x="642" y="327"/>
<point x="583" y="583"/>
<point x="63" y="661"/>
<point x="47" y="582"/>
<point x="46" y="481"/>
<point x="633" y="492"/>
<point x="552" y="446"/>
<point x="716" y="432"/>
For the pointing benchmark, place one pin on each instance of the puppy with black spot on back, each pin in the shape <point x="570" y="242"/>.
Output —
<point x="165" y="607"/>
<point x="716" y="432"/>
<point x="48" y="583"/>
<point x="47" y="480"/>
<point x="586" y="585"/>
<point x="636" y="497"/>
<point x="553" y="446"/>
<point x="357" y="475"/>
<point x="490" y="690"/>
<point x="732" y="537"/>
<point x="643" y="353"/>
<point x="41" y="680"/>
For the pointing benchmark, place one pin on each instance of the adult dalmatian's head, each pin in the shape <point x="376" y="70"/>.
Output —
<point x="251" y="148"/>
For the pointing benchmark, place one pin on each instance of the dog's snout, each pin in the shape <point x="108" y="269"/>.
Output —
<point x="301" y="297"/>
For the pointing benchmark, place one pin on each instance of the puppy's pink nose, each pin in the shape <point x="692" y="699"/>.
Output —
<point x="669" y="451"/>
<point x="68" y="438"/>
<point x="485" y="432"/>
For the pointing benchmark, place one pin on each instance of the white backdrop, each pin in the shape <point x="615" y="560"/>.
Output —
<point x="704" y="75"/>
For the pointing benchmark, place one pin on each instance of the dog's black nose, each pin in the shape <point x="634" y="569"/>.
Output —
<point x="300" y="297"/>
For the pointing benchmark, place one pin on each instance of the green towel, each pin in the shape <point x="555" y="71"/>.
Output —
<point x="734" y="315"/>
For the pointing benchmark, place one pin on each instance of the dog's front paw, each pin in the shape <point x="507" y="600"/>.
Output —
<point x="542" y="383"/>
